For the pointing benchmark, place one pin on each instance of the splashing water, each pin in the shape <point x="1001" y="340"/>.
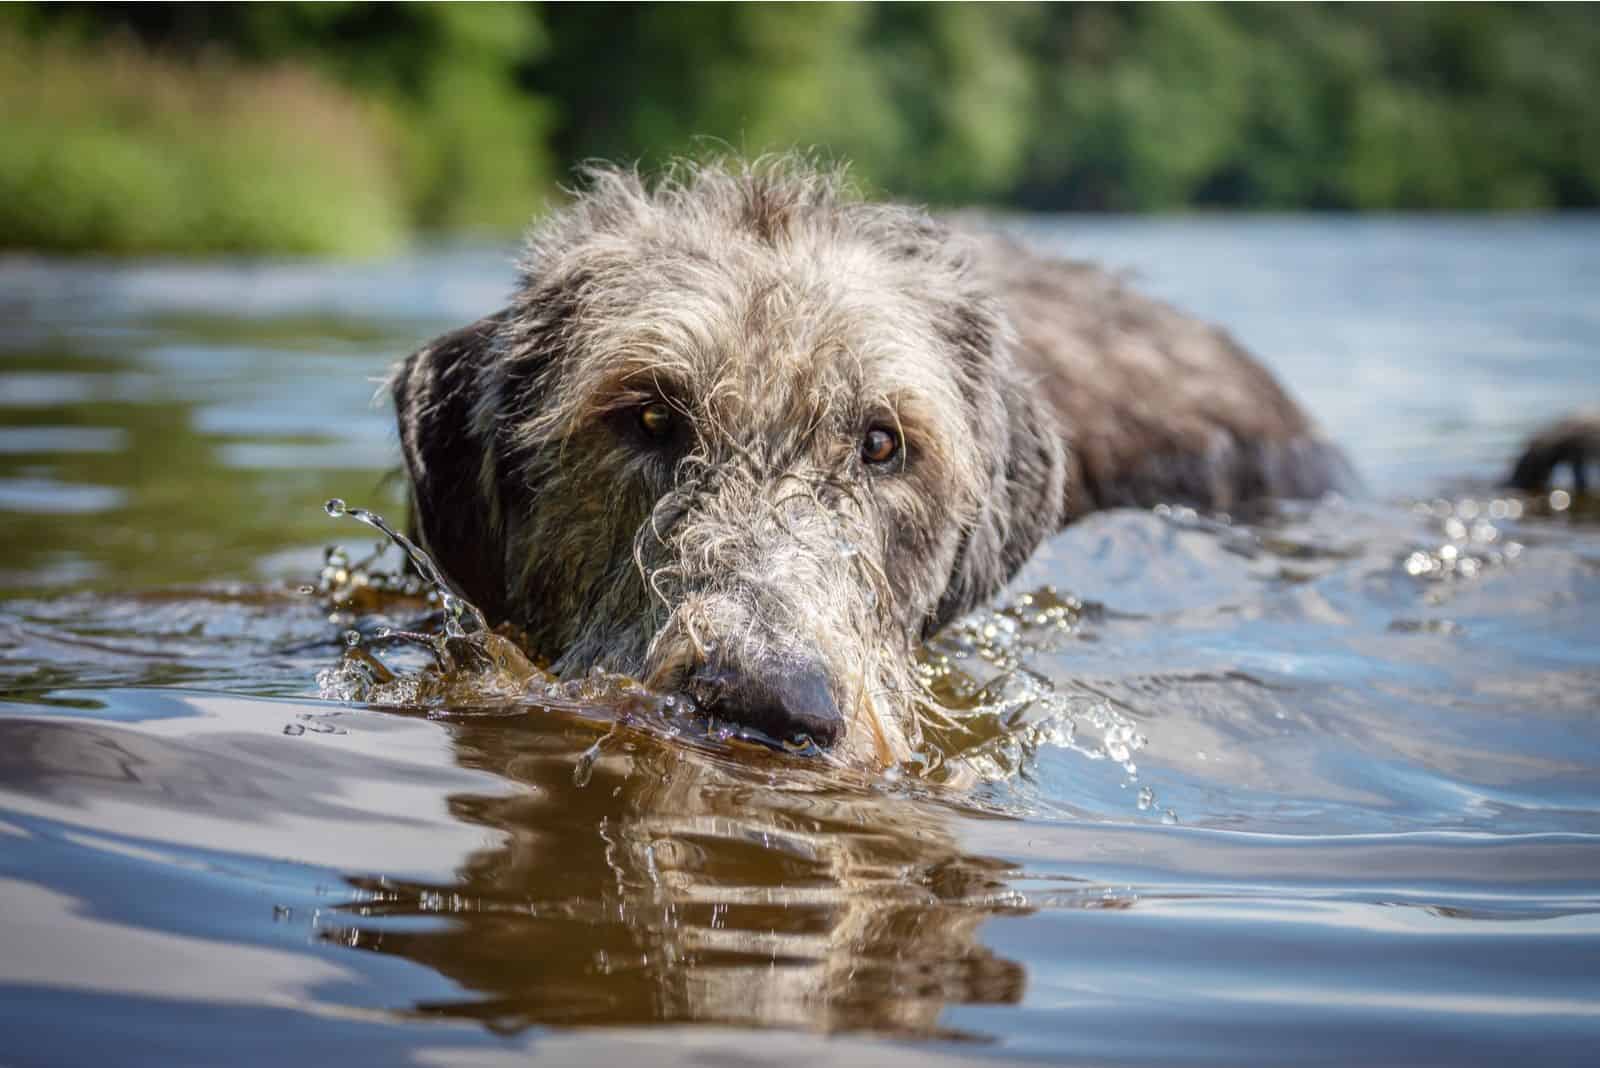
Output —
<point x="474" y="668"/>
<point x="471" y="665"/>
<point x="461" y="617"/>
<point x="988" y="729"/>
<point x="995" y="728"/>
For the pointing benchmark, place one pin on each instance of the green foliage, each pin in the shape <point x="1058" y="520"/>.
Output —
<point x="113" y="151"/>
<point x="343" y="126"/>
<point x="439" y="86"/>
<point x="1370" y="107"/>
<point x="926" y="100"/>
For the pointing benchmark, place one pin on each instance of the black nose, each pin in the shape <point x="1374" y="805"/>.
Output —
<point x="784" y="701"/>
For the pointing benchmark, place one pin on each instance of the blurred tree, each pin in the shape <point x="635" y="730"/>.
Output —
<point x="1093" y="105"/>
<point x="650" y="81"/>
<point x="471" y="139"/>
<point x="961" y="85"/>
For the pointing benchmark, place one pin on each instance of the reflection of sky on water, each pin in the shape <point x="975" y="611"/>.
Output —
<point x="1427" y="347"/>
<point x="48" y="496"/>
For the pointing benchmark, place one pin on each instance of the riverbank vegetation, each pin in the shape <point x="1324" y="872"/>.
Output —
<point x="346" y="128"/>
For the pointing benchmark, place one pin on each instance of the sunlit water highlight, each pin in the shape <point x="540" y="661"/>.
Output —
<point x="1315" y="787"/>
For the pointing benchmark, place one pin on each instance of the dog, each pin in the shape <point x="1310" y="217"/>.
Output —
<point x="747" y="436"/>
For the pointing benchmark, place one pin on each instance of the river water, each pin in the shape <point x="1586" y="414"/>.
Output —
<point x="1323" y="789"/>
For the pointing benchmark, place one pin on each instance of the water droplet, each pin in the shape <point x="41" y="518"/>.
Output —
<point x="352" y="638"/>
<point x="1560" y="500"/>
<point x="583" y="769"/>
<point x="466" y="615"/>
<point x="1169" y="817"/>
<point x="307" y="590"/>
<point x="1147" y="798"/>
<point x="293" y="729"/>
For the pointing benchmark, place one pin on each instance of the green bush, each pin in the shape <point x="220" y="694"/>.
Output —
<point x="112" y="150"/>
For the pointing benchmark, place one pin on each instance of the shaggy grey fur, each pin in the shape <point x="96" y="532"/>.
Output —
<point x="781" y="317"/>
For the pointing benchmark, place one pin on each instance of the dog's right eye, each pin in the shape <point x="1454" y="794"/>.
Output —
<point x="655" y="420"/>
<point x="879" y="446"/>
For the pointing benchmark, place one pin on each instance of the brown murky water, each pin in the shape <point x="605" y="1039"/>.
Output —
<point x="1316" y="789"/>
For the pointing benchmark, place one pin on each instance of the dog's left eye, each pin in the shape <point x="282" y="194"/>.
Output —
<point x="879" y="446"/>
<point x="655" y="420"/>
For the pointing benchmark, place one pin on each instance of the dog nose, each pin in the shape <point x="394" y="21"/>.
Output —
<point x="785" y="702"/>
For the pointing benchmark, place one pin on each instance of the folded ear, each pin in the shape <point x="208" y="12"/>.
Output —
<point x="447" y="434"/>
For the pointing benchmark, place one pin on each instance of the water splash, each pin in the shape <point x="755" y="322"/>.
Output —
<point x="991" y="729"/>
<point x="461" y="617"/>
<point x="471" y="663"/>
<point x="469" y="667"/>
<point x="996" y="727"/>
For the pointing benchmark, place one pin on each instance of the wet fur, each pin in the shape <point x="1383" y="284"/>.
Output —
<point x="1573" y="442"/>
<point x="780" y="316"/>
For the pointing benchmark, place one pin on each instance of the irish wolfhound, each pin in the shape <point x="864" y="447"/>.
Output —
<point x="743" y="435"/>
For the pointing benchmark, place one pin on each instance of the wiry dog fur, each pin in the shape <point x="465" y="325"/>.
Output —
<point x="780" y="317"/>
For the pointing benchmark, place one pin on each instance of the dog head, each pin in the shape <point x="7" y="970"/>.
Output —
<point x="741" y="434"/>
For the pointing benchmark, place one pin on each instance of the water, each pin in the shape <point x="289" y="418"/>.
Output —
<point x="1320" y="789"/>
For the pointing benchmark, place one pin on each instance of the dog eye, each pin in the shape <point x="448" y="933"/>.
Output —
<point x="879" y="446"/>
<point x="655" y="419"/>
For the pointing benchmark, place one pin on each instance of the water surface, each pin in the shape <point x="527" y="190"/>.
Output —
<point x="1321" y="789"/>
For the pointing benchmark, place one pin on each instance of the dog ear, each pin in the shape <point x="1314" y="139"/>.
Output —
<point x="1026" y="503"/>
<point x="1574" y="441"/>
<point x="449" y="455"/>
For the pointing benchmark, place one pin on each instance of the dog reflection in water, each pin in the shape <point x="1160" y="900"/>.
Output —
<point x="680" y="886"/>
